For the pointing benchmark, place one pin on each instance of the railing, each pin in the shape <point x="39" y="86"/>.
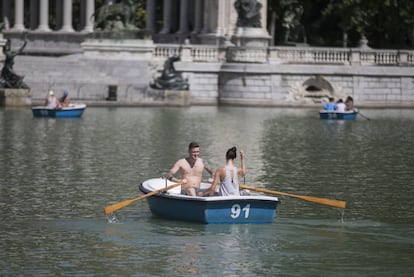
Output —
<point x="247" y="54"/>
<point x="311" y="55"/>
<point x="380" y="57"/>
<point x="286" y="55"/>
<point x="163" y="51"/>
<point x="205" y="54"/>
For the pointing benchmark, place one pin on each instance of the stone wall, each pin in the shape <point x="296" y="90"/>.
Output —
<point x="214" y="80"/>
<point x="306" y="85"/>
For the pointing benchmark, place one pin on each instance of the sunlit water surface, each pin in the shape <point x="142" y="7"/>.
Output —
<point x="56" y="176"/>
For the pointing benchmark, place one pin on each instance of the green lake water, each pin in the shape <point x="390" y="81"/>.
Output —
<point x="56" y="176"/>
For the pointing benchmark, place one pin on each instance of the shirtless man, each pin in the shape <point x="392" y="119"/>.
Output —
<point x="191" y="171"/>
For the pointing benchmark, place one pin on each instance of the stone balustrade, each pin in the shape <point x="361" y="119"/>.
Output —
<point x="163" y="51"/>
<point x="287" y="55"/>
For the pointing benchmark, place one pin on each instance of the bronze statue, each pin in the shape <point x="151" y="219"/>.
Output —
<point x="170" y="79"/>
<point x="116" y="17"/>
<point x="9" y="78"/>
<point x="248" y="13"/>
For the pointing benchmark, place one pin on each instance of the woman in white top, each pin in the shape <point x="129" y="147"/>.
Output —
<point x="228" y="176"/>
<point x="52" y="102"/>
<point x="340" y="106"/>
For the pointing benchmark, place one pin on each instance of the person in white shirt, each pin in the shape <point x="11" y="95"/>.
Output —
<point x="340" y="106"/>
<point x="52" y="102"/>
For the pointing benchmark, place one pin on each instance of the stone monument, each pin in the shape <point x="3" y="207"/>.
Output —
<point x="13" y="91"/>
<point x="121" y="48"/>
<point x="249" y="30"/>
<point x="115" y="32"/>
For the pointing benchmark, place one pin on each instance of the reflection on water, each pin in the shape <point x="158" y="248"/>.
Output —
<point x="57" y="175"/>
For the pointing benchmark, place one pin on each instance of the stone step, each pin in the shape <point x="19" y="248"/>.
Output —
<point x="84" y="78"/>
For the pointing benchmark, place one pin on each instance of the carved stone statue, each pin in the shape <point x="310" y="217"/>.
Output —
<point x="116" y="17"/>
<point x="248" y="13"/>
<point x="170" y="79"/>
<point x="9" y="78"/>
<point x="294" y="30"/>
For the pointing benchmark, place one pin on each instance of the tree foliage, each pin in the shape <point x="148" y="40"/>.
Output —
<point x="385" y="23"/>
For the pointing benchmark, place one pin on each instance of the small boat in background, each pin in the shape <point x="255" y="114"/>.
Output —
<point x="351" y="115"/>
<point x="243" y="209"/>
<point x="72" y="111"/>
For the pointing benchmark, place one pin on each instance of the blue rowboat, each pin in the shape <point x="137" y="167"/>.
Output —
<point x="244" y="209"/>
<point x="351" y="115"/>
<point x="74" y="110"/>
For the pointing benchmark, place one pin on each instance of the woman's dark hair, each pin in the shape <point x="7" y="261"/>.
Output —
<point x="231" y="154"/>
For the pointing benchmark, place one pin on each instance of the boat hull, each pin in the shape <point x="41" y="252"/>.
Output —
<point x="338" y="115"/>
<point x="73" y="111"/>
<point x="256" y="209"/>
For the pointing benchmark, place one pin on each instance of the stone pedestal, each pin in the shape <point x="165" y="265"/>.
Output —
<point x="251" y="46"/>
<point x="177" y="98"/>
<point x="47" y="43"/>
<point x="251" y="37"/>
<point x="15" y="97"/>
<point x="127" y="49"/>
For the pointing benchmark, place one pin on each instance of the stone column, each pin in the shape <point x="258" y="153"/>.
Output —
<point x="6" y="14"/>
<point x="222" y="13"/>
<point x="150" y="22"/>
<point x="44" y="16"/>
<point x="18" y="15"/>
<point x="34" y="15"/>
<point x="67" y="16"/>
<point x="90" y="8"/>
<point x="183" y="17"/>
<point x="206" y="17"/>
<point x="198" y="17"/>
<point x="166" y="29"/>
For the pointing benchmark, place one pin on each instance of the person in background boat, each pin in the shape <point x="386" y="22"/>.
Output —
<point x="191" y="171"/>
<point x="340" y="106"/>
<point x="349" y="103"/>
<point x="228" y="176"/>
<point x="331" y="105"/>
<point x="51" y="101"/>
<point x="64" y="100"/>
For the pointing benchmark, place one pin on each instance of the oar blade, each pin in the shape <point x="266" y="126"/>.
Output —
<point x="112" y="208"/>
<point x="323" y="201"/>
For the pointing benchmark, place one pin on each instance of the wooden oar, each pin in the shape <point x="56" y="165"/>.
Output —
<point x="112" y="208"/>
<point x="364" y="116"/>
<point x="323" y="201"/>
<point x="357" y="110"/>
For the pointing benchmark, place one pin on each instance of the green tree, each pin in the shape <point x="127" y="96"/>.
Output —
<point x="386" y="23"/>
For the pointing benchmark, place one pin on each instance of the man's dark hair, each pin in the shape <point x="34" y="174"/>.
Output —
<point x="193" y="145"/>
